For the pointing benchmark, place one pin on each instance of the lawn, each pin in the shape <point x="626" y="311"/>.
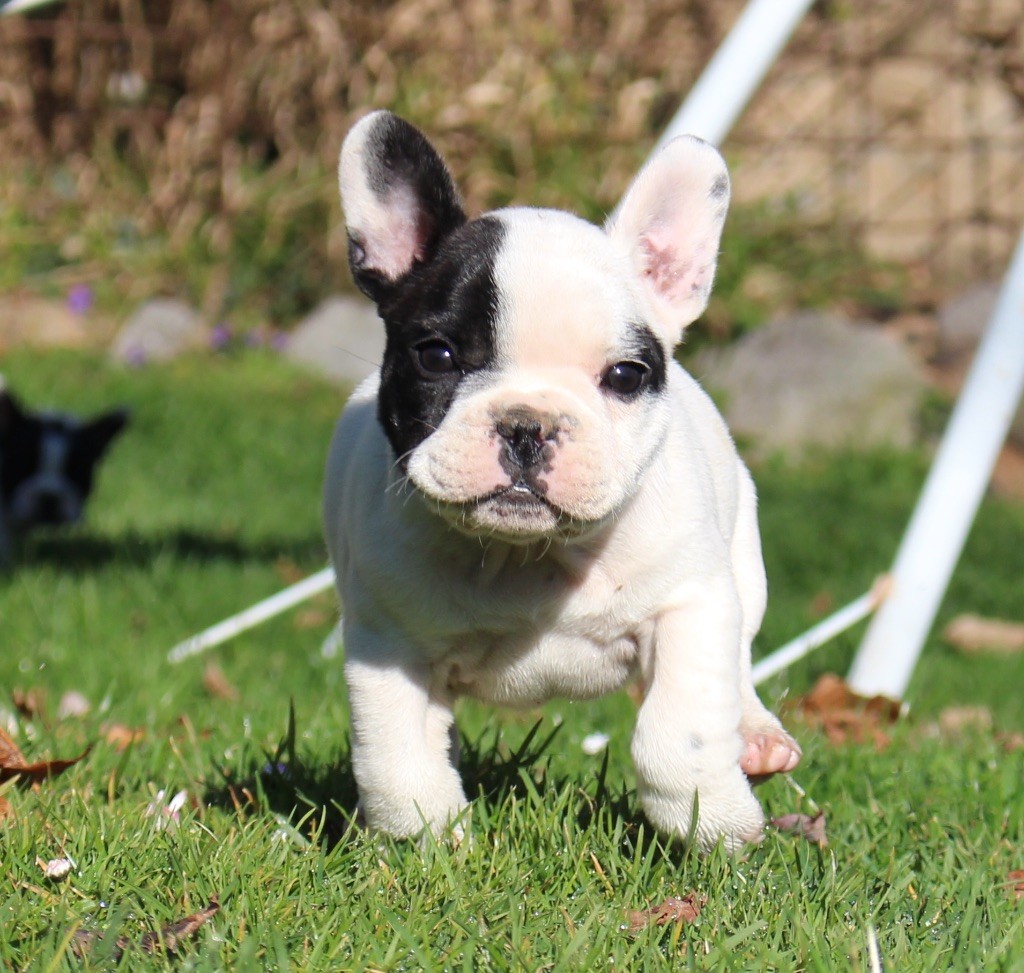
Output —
<point x="210" y="502"/>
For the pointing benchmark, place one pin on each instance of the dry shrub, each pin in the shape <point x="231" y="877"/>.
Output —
<point x="216" y="107"/>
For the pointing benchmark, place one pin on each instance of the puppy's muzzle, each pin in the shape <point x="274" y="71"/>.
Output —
<point x="528" y="446"/>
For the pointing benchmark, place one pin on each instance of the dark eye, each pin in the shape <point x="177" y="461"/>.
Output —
<point x="625" y="377"/>
<point x="434" y="357"/>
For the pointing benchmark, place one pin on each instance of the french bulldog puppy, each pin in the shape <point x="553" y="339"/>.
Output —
<point x="47" y="465"/>
<point x="532" y="499"/>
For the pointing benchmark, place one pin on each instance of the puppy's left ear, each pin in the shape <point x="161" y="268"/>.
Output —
<point x="399" y="201"/>
<point x="100" y="432"/>
<point x="670" y="223"/>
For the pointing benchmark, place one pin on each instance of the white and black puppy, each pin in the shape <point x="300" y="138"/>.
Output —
<point x="47" y="465"/>
<point x="531" y="498"/>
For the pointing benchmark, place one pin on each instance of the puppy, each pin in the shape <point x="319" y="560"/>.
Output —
<point x="47" y="465"/>
<point x="531" y="498"/>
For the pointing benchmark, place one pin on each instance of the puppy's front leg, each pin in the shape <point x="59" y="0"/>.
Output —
<point x="687" y="742"/>
<point x="400" y="740"/>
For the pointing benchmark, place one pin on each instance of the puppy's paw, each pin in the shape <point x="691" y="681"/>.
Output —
<point x="727" y="811"/>
<point x="767" y="748"/>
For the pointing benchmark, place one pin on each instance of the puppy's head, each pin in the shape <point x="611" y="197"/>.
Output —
<point x="523" y="387"/>
<point x="48" y="461"/>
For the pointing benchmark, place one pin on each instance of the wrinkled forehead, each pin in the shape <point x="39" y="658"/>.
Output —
<point x="566" y="292"/>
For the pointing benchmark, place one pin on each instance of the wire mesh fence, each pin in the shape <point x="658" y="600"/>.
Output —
<point x="901" y="121"/>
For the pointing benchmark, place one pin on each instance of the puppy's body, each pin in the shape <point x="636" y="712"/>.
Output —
<point x="533" y="500"/>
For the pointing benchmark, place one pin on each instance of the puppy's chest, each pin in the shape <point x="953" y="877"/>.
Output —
<point x="574" y="642"/>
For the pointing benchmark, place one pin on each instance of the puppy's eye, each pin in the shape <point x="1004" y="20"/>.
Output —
<point x="626" y="377"/>
<point x="434" y="357"/>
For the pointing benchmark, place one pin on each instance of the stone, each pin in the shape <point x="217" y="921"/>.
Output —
<point x="814" y="380"/>
<point x="341" y="339"/>
<point x="39" y="322"/>
<point x="963" y="319"/>
<point x="159" y="330"/>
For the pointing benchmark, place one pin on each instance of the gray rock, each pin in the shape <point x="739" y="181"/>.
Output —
<point x="342" y="339"/>
<point x="963" y="319"/>
<point x="815" y="380"/>
<point x="159" y="330"/>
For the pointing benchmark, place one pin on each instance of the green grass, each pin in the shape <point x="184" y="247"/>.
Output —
<point x="210" y="502"/>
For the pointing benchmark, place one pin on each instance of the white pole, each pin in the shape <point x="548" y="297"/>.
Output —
<point x="938" y="528"/>
<point x="254" y="615"/>
<point x="737" y="68"/>
<point x="826" y="629"/>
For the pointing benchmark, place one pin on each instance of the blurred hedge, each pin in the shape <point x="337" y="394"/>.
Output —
<point x="217" y="123"/>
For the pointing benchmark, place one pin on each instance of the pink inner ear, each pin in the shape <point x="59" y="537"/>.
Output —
<point x="672" y="276"/>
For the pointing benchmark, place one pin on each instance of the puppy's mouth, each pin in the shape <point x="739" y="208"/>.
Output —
<point x="518" y="513"/>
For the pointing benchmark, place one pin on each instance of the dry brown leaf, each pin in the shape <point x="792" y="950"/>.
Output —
<point x="6" y="811"/>
<point x="121" y="737"/>
<point x="168" y="939"/>
<point x="10" y="755"/>
<point x="1011" y="742"/>
<point x="13" y="764"/>
<point x="673" y="909"/>
<point x="1015" y="880"/>
<point x="956" y="720"/>
<point x="313" y="618"/>
<point x="30" y="703"/>
<point x="217" y="684"/>
<point x="972" y="633"/>
<point x="845" y="716"/>
<point x="804" y="826"/>
<point x="41" y="770"/>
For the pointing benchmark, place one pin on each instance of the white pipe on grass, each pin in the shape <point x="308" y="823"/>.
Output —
<point x="826" y="629"/>
<point x="256" y="615"/>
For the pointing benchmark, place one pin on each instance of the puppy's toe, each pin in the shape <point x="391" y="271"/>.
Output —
<point x="769" y="753"/>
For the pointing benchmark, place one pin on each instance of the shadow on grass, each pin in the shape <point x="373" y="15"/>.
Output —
<point x="322" y="796"/>
<point x="80" y="553"/>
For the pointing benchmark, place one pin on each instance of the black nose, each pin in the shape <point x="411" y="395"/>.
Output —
<point x="524" y="443"/>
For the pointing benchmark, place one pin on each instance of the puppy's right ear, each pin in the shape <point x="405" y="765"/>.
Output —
<point x="399" y="201"/>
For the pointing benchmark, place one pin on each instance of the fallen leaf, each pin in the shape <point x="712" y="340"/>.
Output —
<point x="6" y="811"/>
<point x="845" y="716"/>
<point x="30" y="703"/>
<point x="313" y="618"/>
<point x="10" y="755"/>
<point x="12" y="763"/>
<point x="673" y="909"/>
<point x="72" y="704"/>
<point x="1015" y="880"/>
<point x="804" y="826"/>
<point x="169" y="939"/>
<point x="120" y="737"/>
<point x="956" y="720"/>
<point x="56" y="869"/>
<point x="972" y="634"/>
<point x="217" y="684"/>
<point x="1011" y="742"/>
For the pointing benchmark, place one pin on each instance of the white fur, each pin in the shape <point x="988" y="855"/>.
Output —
<point x="655" y="573"/>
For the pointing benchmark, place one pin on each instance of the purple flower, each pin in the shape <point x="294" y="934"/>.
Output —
<point x="220" y="337"/>
<point x="279" y="340"/>
<point x="80" y="299"/>
<point x="135" y="356"/>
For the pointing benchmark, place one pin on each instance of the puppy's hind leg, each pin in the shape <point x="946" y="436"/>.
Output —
<point x="768" y="748"/>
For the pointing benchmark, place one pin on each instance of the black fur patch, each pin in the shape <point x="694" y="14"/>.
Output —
<point x="643" y="346"/>
<point x="453" y="298"/>
<point x="400" y="155"/>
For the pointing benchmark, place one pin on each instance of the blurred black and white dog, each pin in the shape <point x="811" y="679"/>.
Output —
<point x="47" y="465"/>
<point x="532" y="498"/>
